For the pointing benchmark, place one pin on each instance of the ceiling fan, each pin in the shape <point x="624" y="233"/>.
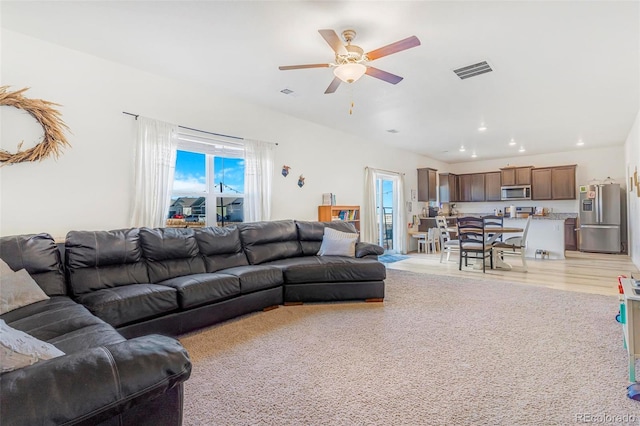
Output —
<point x="351" y="61"/>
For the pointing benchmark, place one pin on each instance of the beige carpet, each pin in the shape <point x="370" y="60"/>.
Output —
<point x="438" y="351"/>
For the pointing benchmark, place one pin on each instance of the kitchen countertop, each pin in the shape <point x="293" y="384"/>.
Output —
<point x="550" y="216"/>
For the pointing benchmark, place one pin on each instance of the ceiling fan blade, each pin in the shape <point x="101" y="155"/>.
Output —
<point x="396" y="47"/>
<point x="334" y="41"/>
<point x="299" y="67"/>
<point x="383" y="75"/>
<point x="333" y="86"/>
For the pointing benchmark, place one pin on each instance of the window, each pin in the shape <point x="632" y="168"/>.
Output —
<point x="208" y="184"/>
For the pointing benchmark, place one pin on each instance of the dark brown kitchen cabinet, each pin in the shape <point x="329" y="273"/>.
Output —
<point x="553" y="183"/>
<point x="492" y="186"/>
<point x="464" y="187"/>
<point x="477" y="187"/>
<point x="570" y="237"/>
<point x="541" y="184"/>
<point x="448" y="188"/>
<point x="513" y="176"/>
<point x="427" y="185"/>
<point x="563" y="183"/>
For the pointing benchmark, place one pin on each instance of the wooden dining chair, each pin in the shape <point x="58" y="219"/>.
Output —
<point x="493" y="221"/>
<point x="473" y="241"/>
<point x="447" y="244"/>
<point x="514" y="245"/>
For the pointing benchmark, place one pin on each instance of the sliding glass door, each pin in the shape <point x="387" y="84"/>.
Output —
<point x="387" y="212"/>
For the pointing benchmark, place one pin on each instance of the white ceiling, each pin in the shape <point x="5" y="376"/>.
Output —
<point x="563" y="71"/>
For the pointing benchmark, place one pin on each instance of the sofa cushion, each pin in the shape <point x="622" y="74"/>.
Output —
<point x="64" y="323"/>
<point x="256" y="277"/>
<point x="199" y="289"/>
<point x="268" y="241"/>
<point x="337" y="243"/>
<point x="221" y="247"/>
<point x="17" y="289"/>
<point x="39" y="255"/>
<point x="170" y="253"/>
<point x="135" y="302"/>
<point x="310" y="233"/>
<point x="98" y="260"/>
<point x="328" y="269"/>
<point x="18" y="349"/>
<point x="90" y="336"/>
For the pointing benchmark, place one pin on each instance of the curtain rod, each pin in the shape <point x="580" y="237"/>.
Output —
<point x="196" y="130"/>
<point x="383" y="170"/>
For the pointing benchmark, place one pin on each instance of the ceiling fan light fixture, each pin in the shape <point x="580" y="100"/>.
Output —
<point x="349" y="72"/>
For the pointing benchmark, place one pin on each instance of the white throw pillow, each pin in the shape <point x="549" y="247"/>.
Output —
<point x="18" y="349"/>
<point x="336" y="243"/>
<point x="18" y="289"/>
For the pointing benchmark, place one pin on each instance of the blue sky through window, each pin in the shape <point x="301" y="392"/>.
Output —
<point x="387" y="193"/>
<point x="191" y="176"/>
<point x="229" y="171"/>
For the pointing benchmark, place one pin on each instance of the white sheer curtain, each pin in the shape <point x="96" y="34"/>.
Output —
<point x="258" y="176"/>
<point x="155" y="161"/>
<point x="368" y="222"/>
<point x="401" y="217"/>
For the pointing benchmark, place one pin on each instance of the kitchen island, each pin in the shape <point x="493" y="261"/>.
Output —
<point x="545" y="233"/>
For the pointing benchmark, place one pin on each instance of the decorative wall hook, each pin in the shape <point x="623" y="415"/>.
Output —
<point x="285" y="170"/>
<point x="301" y="181"/>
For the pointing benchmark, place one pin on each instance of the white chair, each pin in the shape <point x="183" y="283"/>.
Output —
<point x="422" y="241"/>
<point x="514" y="245"/>
<point x="431" y="241"/>
<point x="447" y="244"/>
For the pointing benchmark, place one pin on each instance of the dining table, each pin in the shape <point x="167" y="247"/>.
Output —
<point x="494" y="233"/>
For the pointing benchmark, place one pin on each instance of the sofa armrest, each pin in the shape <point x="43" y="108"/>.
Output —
<point x="91" y="386"/>
<point x="368" y="249"/>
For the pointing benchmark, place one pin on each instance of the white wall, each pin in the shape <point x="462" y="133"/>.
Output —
<point x="89" y="186"/>
<point x="591" y="164"/>
<point x="632" y="157"/>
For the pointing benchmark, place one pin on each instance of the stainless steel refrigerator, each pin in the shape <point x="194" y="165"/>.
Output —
<point x="600" y="219"/>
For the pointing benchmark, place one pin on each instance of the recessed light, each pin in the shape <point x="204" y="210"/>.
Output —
<point x="482" y="128"/>
<point x="474" y="155"/>
<point x="286" y="91"/>
<point x="512" y="142"/>
<point x="462" y="149"/>
<point x="393" y="131"/>
<point x="580" y="142"/>
<point x="521" y="149"/>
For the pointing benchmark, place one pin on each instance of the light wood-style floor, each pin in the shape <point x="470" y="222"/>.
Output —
<point x="583" y="272"/>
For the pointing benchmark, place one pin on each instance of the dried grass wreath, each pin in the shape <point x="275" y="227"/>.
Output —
<point x="48" y="117"/>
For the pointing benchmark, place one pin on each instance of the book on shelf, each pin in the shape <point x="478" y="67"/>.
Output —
<point x="349" y="215"/>
<point x="328" y="199"/>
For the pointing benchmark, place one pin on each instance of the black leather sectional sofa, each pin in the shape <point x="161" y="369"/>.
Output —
<point x="116" y="296"/>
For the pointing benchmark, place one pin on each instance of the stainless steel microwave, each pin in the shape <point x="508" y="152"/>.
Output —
<point x="522" y="192"/>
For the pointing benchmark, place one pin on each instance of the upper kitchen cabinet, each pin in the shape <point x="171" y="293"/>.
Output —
<point x="471" y="187"/>
<point x="553" y="183"/>
<point x="513" y="176"/>
<point x="448" y="188"/>
<point x="477" y="187"/>
<point x="563" y="183"/>
<point x="541" y="184"/>
<point x="427" y="185"/>
<point x="492" y="186"/>
<point x="464" y="187"/>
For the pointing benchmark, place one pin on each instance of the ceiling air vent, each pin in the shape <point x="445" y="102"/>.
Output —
<point x="473" y="70"/>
